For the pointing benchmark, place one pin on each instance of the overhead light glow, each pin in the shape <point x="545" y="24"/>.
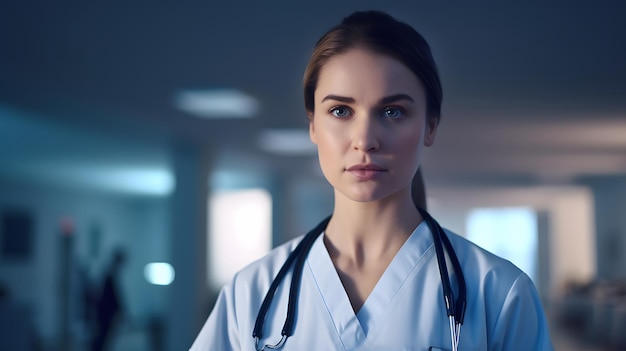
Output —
<point x="217" y="103"/>
<point x="286" y="142"/>
<point x="141" y="181"/>
<point x="151" y="180"/>
<point x="159" y="273"/>
<point x="148" y="181"/>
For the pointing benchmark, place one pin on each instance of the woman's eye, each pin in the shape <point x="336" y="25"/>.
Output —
<point x="392" y="112"/>
<point x="340" y="111"/>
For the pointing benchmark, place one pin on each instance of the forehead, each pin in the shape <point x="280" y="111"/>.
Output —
<point x="364" y="74"/>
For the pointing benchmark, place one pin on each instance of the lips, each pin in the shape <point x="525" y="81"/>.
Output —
<point x="366" y="171"/>
<point x="366" y="167"/>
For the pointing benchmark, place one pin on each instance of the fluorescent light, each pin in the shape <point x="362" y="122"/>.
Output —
<point x="159" y="273"/>
<point x="147" y="181"/>
<point x="140" y="180"/>
<point x="152" y="181"/>
<point x="217" y="103"/>
<point x="286" y="142"/>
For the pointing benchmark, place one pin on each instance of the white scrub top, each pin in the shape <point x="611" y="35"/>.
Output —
<point x="405" y="311"/>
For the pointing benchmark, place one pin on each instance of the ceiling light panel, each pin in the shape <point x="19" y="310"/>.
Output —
<point x="217" y="103"/>
<point x="294" y="142"/>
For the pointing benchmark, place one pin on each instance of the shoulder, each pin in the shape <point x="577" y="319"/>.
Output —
<point x="260" y="273"/>
<point x="240" y="300"/>
<point x="503" y="287"/>
<point x="504" y="295"/>
<point x="492" y="278"/>
<point x="481" y="263"/>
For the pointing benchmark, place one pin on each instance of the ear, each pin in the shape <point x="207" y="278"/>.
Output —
<point x="431" y="130"/>
<point x="311" y="128"/>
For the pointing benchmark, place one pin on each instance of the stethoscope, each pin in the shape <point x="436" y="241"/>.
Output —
<point x="454" y="308"/>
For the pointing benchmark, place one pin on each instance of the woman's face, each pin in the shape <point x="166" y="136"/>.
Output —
<point x="369" y="125"/>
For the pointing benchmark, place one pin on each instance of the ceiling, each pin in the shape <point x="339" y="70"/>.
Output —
<point x="534" y="91"/>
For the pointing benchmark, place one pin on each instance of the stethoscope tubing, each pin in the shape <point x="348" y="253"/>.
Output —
<point x="455" y="308"/>
<point x="439" y="237"/>
<point x="304" y="246"/>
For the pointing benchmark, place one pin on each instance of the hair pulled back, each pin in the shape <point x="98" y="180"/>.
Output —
<point x="382" y="34"/>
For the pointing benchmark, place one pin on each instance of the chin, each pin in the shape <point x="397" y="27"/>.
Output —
<point x="364" y="199"/>
<point x="372" y="194"/>
<point x="365" y="196"/>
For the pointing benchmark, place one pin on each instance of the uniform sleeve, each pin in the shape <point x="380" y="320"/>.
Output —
<point x="521" y="324"/>
<point x="220" y="331"/>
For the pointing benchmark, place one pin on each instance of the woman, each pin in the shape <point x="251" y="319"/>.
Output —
<point x="371" y="281"/>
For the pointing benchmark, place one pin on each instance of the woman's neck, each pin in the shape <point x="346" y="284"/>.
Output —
<point x="362" y="232"/>
<point x="363" y="238"/>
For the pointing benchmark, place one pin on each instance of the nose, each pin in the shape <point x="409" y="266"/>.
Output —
<point x="365" y="134"/>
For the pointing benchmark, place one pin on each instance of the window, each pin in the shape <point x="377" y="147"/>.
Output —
<point x="240" y="231"/>
<point x="510" y="233"/>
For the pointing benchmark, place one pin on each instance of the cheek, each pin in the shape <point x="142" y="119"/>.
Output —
<point x="408" y="150"/>
<point x="327" y="136"/>
<point x="408" y="143"/>
<point x="327" y="146"/>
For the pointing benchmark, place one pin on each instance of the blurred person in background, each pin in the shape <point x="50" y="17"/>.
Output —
<point x="109" y="304"/>
<point x="370" y="276"/>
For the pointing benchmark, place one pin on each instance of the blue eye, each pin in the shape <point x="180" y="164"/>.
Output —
<point x="340" y="111"/>
<point x="392" y="112"/>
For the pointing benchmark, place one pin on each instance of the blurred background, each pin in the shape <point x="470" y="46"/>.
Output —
<point x="148" y="150"/>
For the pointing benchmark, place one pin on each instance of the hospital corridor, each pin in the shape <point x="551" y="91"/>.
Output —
<point x="150" y="151"/>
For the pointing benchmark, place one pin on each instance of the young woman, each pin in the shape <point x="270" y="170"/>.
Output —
<point x="370" y="278"/>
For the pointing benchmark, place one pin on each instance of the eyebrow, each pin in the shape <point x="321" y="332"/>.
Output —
<point x="394" y="98"/>
<point x="383" y="101"/>
<point x="345" y="99"/>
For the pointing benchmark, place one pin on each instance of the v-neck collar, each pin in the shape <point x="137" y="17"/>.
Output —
<point x="353" y="329"/>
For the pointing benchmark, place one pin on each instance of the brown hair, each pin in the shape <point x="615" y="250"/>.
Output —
<point x="380" y="33"/>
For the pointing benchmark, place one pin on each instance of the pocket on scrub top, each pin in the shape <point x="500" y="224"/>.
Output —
<point x="432" y="348"/>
